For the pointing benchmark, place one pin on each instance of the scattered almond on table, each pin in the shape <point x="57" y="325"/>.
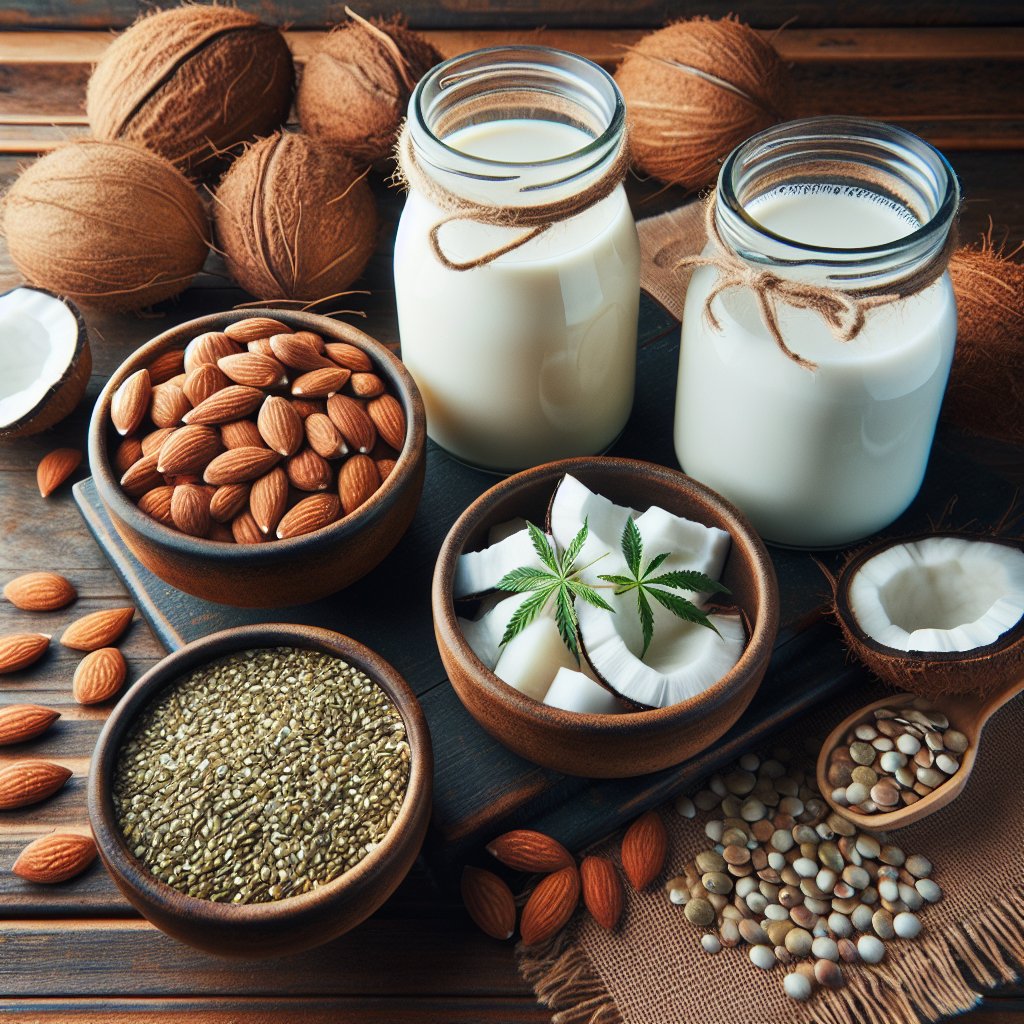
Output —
<point x="55" y="468"/>
<point x="55" y="858"/>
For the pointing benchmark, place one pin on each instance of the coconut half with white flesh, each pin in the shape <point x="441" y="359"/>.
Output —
<point x="477" y="572"/>
<point x="576" y="691"/>
<point x="943" y="613"/>
<point x="45" y="360"/>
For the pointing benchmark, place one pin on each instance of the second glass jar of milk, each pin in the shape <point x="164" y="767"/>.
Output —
<point x="829" y="444"/>
<point x="528" y="355"/>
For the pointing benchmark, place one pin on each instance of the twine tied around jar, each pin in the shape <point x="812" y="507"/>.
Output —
<point x="535" y="220"/>
<point x="843" y="310"/>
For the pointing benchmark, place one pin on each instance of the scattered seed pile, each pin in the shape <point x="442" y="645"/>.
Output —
<point x="895" y="759"/>
<point x="792" y="880"/>
<point x="262" y="775"/>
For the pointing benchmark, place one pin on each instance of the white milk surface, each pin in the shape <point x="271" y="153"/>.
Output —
<point x="814" y="458"/>
<point x="532" y="357"/>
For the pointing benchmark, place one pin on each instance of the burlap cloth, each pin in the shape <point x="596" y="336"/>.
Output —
<point x="651" y="970"/>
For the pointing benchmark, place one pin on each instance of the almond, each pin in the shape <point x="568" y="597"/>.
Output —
<point x="27" y="782"/>
<point x="320" y="383"/>
<point x="312" y="513"/>
<point x="130" y="402"/>
<point x="202" y="381"/>
<point x="230" y="403"/>
<point x="190" y="510"/>
<point x="385" y="467"/>
<point x="253" y="369"/>
<point x="526" y="850"/>
<point x="19" y="650"/>
<point x="309" y="472"/>
<point x="348" y="356"/>
<point x="550" y="906"/>
<point x="238" y="464"/>
<point x="40" y="592"/>
<point x="299" y="351"/>
<point x="269" y="498"/>
<point x="351" y="419"/>
<point x="157" y="504"/>
<point x="389" y="419"/>
<point x="100" y="674"/>
<point x="244" y="529"/>
<point x="128" y="452"/>
<point x="279" y="425"/>
<point x="55" y="468"/>
<point x="366" y="385"/>
<point x="142" y="476"/>
<point x="167" y="366"/>
<point x="241" y="434"/>
<point x="221" y="532"/>
<point x="22" y="722"/>
<point x="490" y="902"/>
<point x="260" y="347"/>
<point x="602" y="890"/>
<point x="228" y="500"/>
<point x="358" y="481"/>
<point x="644" y="847"/>
<point x="253" y="327"/>
<point x="188" y="450"/>
<point x="154" y="440"/>
<point x="55" y="858"/>
<point x="324" y="437"/>
<point x="168" y="405"/>
<point x="98" y="629"/>
<point x="305" y="407"/>
<point x="208" y="348"/>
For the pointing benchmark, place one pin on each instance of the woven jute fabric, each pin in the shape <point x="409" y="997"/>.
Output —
<point x="664" y="241"/>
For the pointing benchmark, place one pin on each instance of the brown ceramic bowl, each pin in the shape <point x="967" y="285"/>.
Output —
<point x="280" y="572"/>
<point x="296" y="922"/>
<point x="634" y="743"/>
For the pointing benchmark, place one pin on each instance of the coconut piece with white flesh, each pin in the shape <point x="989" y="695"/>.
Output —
<point x="576" y="691"/>
<point x="484" y="633"/>
<point x="477" y="572"/>
<point x="530" y="661"/>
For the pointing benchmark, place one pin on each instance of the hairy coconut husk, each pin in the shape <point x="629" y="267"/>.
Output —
<point x="695" y="90"/>
<point x="294" y="219"/>
<point x="190" y="83"/>
<point x="108" y="224"/>
<point x="356" y="85"/>
<point x="986" y="384"/>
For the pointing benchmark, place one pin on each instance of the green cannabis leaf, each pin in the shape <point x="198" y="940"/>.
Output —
<point x="647" y="585"/>
<point x="559" y="579"/>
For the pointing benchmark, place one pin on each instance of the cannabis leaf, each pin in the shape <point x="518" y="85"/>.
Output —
<point x="559" y="579"/>
<point x="647" y="585"/>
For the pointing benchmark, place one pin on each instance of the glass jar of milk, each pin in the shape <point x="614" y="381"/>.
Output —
<point x="529" y="356"/>
<point x="825" y="450"/>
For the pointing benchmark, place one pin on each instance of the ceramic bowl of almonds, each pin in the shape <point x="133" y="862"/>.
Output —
<point x="259" y="457"/>
<point x="262" y="790"/>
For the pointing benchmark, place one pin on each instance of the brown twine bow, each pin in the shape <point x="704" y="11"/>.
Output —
<point x="535" y="219"/>
<point x="844" y="311"/>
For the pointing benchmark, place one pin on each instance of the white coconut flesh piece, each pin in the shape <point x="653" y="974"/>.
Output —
<point x="939" y="594"/>
<point x="530" y="661"/>
<point x="576" y="691"/>
<point x="38" y="341"/>
<point x="484" y="633"/>
<point x="476" y="572"/>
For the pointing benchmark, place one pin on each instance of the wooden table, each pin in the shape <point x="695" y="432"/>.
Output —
<point x="78" y="952"/>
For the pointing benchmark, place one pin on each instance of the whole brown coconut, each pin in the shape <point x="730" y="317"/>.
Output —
<point x="192" y="82"/>
<point x="986" y="384"/>
<point x="294" y="219"/>
<point x="695" y="90"/>
<point x="356" y="85"/>
<point x="108" y="224"/>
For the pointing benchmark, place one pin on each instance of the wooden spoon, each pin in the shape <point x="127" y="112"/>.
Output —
<point x="967" y="713"/>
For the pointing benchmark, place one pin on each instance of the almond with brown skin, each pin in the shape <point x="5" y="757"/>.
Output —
<point x="55" y="858"/>
<point x="305" y="407"/>
<point x="366" y="385"/>
<point x="489" y="902"/>
<point x="228" y="500"/>
<point x="358" y="481"/>
<point x="348" y="356"/>
<point x="27" y="782"/>
<point x="526" y="850"/>
<point x="167" y="366"/>
<point x="254" y="327"/>
<point x="208" y="348"/>
<point x="98" y="629"/>
<point x="385" y="467"/>
<point x="324" y="437"/>
<point x="260" y="347"/>
<point x="309" y="472"/>
<point x="130" y="402"/>
<point x="202" y="381"/>
<point x="221" y="532"/>
<point x="40" y="592"/>
<point x="245" y="530"/>
<point x="100" y="674"/>
<point x="55" y="467"/>
<point x="142" y="476"/>
<point x="230" y="403"/>
<point x="351" y="419"/>
<point x="279" y="425"/>
<point x="389" y="419"/>
<point x="312" y="513"/>
<point x="128" y="452"/>
<point x="239" y="464"/>
<point x="154" y="440"/>
<point x="168" y="405"/>
<point x="320" y="383"/>
<point x="253" y="369"/>
<point x="241" y="434"/>
<point x="550" y="906"/>
<point x="190" y="510"/>
<point x="298" y="351"/>
<point x="19" y="650"/>
<point x="644" y="848"/>
<point x="22" y="722"/>
<point x="602" y="890"/>
<point x="157" y="504"/>
<point x="188" y="450"/>
<point x="268" y="499"/>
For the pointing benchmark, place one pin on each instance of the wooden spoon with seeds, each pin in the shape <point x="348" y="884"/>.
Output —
<point x="967" y="713"/>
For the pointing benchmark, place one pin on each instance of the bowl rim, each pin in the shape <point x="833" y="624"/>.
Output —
<point x="755" y="653"/>
<point x="174" y="903"/>
<point x="219" y="552"/>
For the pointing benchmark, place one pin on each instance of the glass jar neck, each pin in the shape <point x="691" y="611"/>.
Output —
<point x="531" y="83"/>
<point x="845" y="157"/>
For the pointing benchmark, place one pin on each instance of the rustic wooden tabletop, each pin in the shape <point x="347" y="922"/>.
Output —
<point x="77" y="952"/>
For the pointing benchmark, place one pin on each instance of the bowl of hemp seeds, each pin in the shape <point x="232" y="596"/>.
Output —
<point x="262" y="790"/>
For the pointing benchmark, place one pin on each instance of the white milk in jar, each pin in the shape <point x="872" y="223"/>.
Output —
<point x="531" y="356"/>
<point x="821" y="456"/>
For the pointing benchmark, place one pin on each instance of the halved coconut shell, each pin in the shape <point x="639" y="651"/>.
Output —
<point x="45" y="360"/>
<point x="935" y="614"/>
